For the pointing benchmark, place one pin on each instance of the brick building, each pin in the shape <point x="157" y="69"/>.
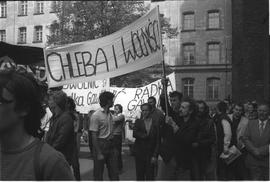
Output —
<point x="203" y="61"/>
<point x="250" y="56"/>
<point x="26" y="22"/>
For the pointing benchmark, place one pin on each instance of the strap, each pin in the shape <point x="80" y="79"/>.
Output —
<point x="38" y="174"/>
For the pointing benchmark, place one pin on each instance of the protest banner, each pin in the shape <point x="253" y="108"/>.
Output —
<point x="132" y="48"/>
<point x="132" y="98"/>
<point x="85" y="95"/>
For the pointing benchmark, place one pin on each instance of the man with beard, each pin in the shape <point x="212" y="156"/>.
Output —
<point x="203" y="164"/>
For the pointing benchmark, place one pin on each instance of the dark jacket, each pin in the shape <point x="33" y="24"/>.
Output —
<point x="61" y="135"/>
<point x="146" y="146"/>
<point x="167" y="147"/>
<point x="185" y="136"/>
<point x="253" y="140"/>
<point x="205" y="137"/>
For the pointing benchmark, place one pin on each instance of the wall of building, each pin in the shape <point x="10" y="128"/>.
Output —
<point x="250" y="56"/>
<point x="13" y="21"/>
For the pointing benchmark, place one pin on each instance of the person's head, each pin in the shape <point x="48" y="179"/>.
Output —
<point x="20" y="102"/>
<point x="238" y="110"/>
<point x="146" y="109"/>
<point x="251" y="107"/>
<point x="175" y="100"/>
<point x="70" y="105"/>
<point x="188" y="107"/>
<point x="263" y="111"/>
<point x="152" y="101"/>
<point x="221" y="107"/>
<point x="118" y="108"/>
<point x="203" y="109"/>
<point x="106" y="99"/>
<point x="58" y="102"/>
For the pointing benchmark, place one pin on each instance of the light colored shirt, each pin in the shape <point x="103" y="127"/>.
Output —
<point x="101" y="123"/>
<point x="264" y="123"/>
<point x="227" y="133"/>
<point x="118" y="124"/>
<point x="45" y="124"/>
<point x="148" y="124"/>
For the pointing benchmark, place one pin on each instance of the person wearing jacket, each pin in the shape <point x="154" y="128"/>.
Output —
<point x="146" y="134"/>
<point x="61" y="132"/>
<point x="239" y="124"/>
<point x="203" y="163"/>
<point x="168" y="169"/>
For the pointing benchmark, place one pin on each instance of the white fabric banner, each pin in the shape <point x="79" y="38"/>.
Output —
<point x="132" y="98"/>
<point x="132" y="48"/>
<point x="85" y="95"/>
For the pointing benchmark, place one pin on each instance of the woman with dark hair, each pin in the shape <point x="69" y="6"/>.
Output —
<point x="20" y="115"/>
<point x="146" y="134"/>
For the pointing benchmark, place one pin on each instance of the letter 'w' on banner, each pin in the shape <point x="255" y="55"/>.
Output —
<point x="132" y="48"/>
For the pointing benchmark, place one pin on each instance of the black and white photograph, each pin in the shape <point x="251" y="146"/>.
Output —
<point x="138" y="90"/>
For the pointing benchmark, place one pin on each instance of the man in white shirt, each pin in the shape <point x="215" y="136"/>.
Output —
<point x="101" y="127"/>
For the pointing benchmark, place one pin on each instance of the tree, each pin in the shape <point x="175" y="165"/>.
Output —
<point x="86" y="20"/>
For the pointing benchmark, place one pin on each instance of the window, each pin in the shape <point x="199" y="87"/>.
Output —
<point x="212" y="88"/>
<point x="188" y="21"/>
<point x="189" y="53"/>
<point x="39" y="9"/>
<point x="3" y="35"/>
<point x="22" y="35"/>
<point x="213" y="19"/>
<point x="38" y="34"/>
<point x="213" y="50"/>
<point x="23" y="8"/>
<point x="3" y="9"/>
<point x="188" y="85"/>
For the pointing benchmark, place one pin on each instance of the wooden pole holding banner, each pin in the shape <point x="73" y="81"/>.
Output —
<point x="163" y="65"/>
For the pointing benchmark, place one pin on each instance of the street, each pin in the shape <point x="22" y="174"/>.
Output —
<point x="87" y="165"/>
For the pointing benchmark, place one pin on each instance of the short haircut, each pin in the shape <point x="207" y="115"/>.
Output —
<point x="153" y="98"/>
<point x="222" y="107"/>
<point x="27" y="94"/>
<point x="119" y="106"/>
<point x="177" y="94"/>
<point x="148" y="105"/>
<point x="104" y="97"/>
<point x="239" y="105"/>
<point x="192" y="104"/>
<point x="264" y="103"/>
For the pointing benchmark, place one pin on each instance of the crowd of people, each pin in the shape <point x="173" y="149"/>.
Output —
<point x="41" y="131"/>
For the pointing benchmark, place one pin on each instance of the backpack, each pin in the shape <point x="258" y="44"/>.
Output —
<point x="38" y="174"/>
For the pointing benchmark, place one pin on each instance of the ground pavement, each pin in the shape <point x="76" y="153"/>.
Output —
<point x="87" y="165"/>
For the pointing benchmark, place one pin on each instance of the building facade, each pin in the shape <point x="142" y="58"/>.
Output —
<point x="26" y="22"/>
<point x="202" y="54"/>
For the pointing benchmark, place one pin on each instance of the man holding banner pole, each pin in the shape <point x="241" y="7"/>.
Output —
<point x="168" y="168"/>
